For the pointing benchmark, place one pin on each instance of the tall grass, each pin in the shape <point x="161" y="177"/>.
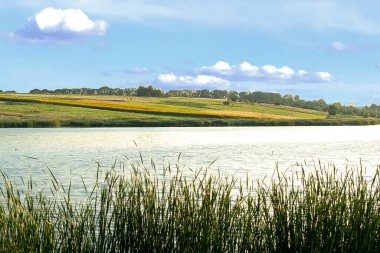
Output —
<point x="149" y="210"/>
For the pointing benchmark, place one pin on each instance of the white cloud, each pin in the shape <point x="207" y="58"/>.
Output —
<point x="269" y="70"/>
<point x="223" y="75"/>
<point x="286" y="72"/>
<point x="248" y="72"/>
<point x="167" y="78"/>
<point x="248" y="69"/>
<point x="325" y="76"/>
<point x="197" y="80"/>
<point x="219" y="67"/>
<point x="52" y="24"/>
<point x="272" y="72"/>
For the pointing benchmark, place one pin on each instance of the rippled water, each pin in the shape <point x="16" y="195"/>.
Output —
<point x="73" y="153"/>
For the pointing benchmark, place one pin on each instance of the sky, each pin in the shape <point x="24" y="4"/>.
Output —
<point x="326" y="49"/>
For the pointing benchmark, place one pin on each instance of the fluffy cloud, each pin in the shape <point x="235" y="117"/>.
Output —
<point x="248" y="72"/>
<point x="222" y="75"/>
<point x="220" y="67"/>
<point x="197" y="80"/>
<point x="60" y="25"/>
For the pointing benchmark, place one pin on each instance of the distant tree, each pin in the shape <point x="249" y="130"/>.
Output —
<point x="288" y="97"/>
<point x="142" y="91"/>
<point x="322" y="102"/>
<point x="374" y="110"/>
<point x="365" y="113"/>
<point x="149" y="91"/>
<point x="333" y="109"/>
<point x="1" y="91"/>
<point x="243" y="96"/>
<point x="205" y="94"/>
<point x="219" y="94"/>
<point x="35" y="91"/>
<point x="233" y="96"/>
<point x="179" y="93"/>
<point x="105" y="90"/>
<point x="265" y="97"/>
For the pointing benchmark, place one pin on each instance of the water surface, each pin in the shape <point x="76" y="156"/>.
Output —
<point x="73" y="154"/>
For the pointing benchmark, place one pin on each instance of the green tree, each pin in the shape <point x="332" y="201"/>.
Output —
<point x="149" y="91"/>
<point x="205" y="93"/>
<point x="219" y="94"/>
<point x="365" y="113"/>
<point x="233" y="96"/>
<point x="333" y="109"/>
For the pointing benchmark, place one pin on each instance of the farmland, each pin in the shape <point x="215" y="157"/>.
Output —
<point x="34" y="110"/>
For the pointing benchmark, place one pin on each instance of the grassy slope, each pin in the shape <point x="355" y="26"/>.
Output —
<point x="65" y="108"/>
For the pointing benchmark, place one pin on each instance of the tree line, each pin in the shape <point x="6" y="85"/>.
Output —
<point x="233" y="96"/>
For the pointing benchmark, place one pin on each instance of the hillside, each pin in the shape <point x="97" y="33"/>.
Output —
<point x="35" y="110"/>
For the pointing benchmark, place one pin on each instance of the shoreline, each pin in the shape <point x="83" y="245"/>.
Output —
<point x="185" y="123"/>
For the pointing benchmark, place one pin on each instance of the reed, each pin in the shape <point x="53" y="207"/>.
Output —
<point x="151" y="210"/>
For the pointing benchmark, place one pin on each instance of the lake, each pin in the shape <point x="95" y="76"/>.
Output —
<point x="73" y="154"/>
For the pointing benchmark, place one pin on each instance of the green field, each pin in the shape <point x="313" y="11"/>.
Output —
<point x="31" y="110"/>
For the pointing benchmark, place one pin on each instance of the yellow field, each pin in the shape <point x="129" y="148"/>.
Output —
<point x="192" y="107"/>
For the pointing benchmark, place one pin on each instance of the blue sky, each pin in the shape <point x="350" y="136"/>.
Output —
<point x="326" y="49"/>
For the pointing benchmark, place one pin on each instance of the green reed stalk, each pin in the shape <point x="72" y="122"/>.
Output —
<point x="146" y="210"/>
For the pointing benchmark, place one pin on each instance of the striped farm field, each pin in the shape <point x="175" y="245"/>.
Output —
<point x="176" y="106"/>
<point x="24" y="110"/>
